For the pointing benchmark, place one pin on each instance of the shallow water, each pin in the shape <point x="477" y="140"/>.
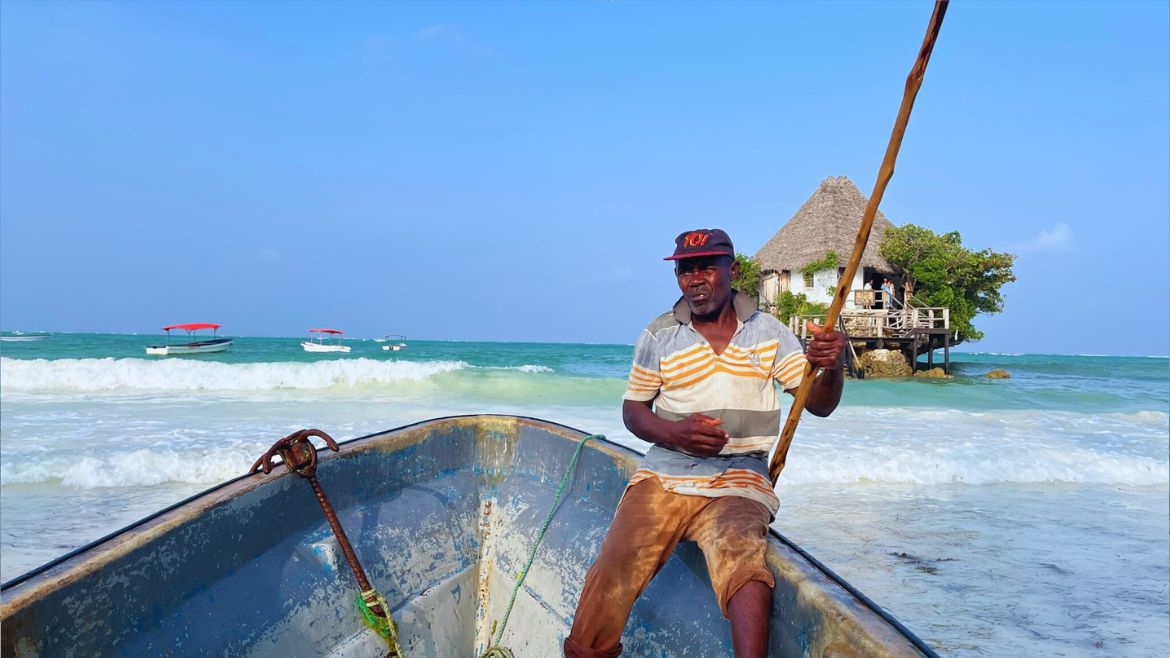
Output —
<point x="989" y="570"/>
<point x="994" y="518"/>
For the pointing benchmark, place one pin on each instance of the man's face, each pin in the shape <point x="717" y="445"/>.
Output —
<point x="705" y="282"/>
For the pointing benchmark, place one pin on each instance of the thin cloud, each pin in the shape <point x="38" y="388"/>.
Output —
<point x="618" y="274"/>
<point x="452" y="37"/>
<point x="437" y="31"/>
<point x="1055" y="240"/>
<point x="377" y="50"/>
<point x="268" y="254"/>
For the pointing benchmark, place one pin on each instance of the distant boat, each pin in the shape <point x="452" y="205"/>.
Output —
<point x="397" y="342"/>
<point x="321" y="341"/>
<point x="207" y="346"/>
<point x="22" y="337"/>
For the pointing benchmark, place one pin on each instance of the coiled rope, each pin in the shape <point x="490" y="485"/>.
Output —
<point x="383" y="626"/>
<point x="495" y="650"/>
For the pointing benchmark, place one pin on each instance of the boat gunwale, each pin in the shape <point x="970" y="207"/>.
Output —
<point x="251" y="481"/>
<point x="325" y="455"/>
<point x="198" y="343"/>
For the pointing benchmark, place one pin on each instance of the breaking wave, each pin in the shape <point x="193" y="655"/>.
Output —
<point x="94" y="375"/>
<point x="893" y="465"/>
<point x="155" y="466"/>
<point x="145" y="467"/>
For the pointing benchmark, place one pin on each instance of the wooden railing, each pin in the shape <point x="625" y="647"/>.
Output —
<point x="881" y="323"/>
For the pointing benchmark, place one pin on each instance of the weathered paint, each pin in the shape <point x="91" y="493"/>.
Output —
<point x="442" y="515"/>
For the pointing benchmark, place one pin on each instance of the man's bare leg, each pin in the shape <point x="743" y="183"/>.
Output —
<point x="749" y="610"/>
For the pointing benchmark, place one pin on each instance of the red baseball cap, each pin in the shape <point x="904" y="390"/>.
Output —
<point x="702" y="242"/>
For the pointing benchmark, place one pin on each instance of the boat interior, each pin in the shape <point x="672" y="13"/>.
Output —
<point x="442" y="516"/>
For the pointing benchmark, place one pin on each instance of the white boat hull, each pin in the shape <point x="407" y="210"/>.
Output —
<point x="202" y="347"/>
<point x="318" y="347"/>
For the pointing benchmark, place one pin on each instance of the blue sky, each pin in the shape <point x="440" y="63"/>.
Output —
<point x="516" y="171"/>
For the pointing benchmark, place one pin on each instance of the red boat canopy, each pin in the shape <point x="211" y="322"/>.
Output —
<point x="192" y="326"/>
<point x="328" y="331"/>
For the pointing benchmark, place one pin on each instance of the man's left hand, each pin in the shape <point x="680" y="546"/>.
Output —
<point x="826" y="347"/>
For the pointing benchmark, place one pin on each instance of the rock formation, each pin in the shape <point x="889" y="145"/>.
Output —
<point x="884" y="363"/>
<point x="933" y="373"/>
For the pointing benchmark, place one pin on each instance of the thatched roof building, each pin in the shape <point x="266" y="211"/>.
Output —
<point x="828" y="221"/>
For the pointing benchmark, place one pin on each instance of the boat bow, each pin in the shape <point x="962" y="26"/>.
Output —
<point x="442" y="514"/>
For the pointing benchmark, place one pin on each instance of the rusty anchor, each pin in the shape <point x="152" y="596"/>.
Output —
<point x="300" y="456"/>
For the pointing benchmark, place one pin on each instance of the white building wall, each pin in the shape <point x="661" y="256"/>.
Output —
<point x="821" y="282"/>
<point x="858" y="281"/>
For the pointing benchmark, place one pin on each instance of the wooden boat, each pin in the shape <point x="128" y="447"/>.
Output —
<point x="193" y="346"/>
<point x="442" y="515"/>
<point x="320" y="341"/>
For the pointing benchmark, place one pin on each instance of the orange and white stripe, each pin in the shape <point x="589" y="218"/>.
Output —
<point x="732" y="482"/>
<point x="677" y="369"/>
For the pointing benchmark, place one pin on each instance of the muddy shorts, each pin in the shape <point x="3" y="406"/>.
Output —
<point x="731" y="531"/>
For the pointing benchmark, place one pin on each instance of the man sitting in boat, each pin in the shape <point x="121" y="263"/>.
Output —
<point x="701" y="390"/>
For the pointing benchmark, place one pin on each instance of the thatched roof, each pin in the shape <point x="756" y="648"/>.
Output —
<point x="828" y="221"/>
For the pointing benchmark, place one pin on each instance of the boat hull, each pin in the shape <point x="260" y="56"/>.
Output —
<point x="319" y="347"/>
<point x="441" y="514"/>
<point x="200" y="347"/>
<point x="23" y="338"/>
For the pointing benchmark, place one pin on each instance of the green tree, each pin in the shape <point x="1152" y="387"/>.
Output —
<point x="827" y="262"/>
<point x="941" y="272"/>
<point x="748" y="281"/>
<point x="789" y="305"/>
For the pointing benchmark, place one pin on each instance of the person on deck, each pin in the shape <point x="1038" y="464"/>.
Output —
<point x="888" y="289"/>
<point x="701" y="390"/>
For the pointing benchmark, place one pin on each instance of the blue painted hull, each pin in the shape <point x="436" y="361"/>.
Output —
<point x="441" y="515"/>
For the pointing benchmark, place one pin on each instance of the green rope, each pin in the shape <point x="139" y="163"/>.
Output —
<point x="383" y="626"/>
<point x="496" y="651"/>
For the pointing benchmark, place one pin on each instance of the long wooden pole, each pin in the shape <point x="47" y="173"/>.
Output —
<point x="913" y="83"/>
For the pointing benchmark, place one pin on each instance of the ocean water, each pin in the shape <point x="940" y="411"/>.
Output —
<point x="1018" y="517"/>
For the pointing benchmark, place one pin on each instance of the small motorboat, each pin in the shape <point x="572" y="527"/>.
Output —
<point x="22" y="337"/>
<point x="324" y="340"/>
<point x="442" y="515"/>
<point x="194" y="345"/>
<point x="396" y="342"/>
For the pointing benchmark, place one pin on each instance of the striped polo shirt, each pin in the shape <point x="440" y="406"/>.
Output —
<point x="676" y="367"/>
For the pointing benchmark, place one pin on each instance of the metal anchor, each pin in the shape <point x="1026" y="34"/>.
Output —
<point x="300" y="456"/>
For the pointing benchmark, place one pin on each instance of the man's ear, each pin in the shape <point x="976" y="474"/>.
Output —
<point x="734" y="268"/>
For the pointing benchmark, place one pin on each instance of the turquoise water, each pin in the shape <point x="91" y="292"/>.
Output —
<point x="1034" y="509"/>
<point x="1039" y="381"/>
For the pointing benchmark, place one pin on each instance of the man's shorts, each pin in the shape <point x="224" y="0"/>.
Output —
<point x="730" y="530"/>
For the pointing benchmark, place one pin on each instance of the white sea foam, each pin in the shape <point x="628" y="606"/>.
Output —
<point x="1154" y="417"/>
<point x="964" y="456"/>
<point x="91" y="375"/>
<point x="152" y="466"/>
<point x="118" y="445"/>
<point x="534" y="368"/>
<point x="145" y="467"/>
<point x="940" y="446"/>
<point x="915" y="465"/>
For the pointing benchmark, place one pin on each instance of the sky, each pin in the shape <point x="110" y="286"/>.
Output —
<point x="517" y="171"/>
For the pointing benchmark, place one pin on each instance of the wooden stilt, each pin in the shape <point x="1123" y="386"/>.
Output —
<point x="947" y="352"/>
